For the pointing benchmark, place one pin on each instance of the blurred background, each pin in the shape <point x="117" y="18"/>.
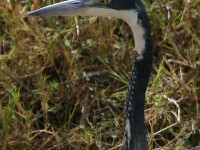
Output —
<point x="63" y="80"/>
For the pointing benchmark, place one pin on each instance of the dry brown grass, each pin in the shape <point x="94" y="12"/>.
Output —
<point x="63" y="87"/>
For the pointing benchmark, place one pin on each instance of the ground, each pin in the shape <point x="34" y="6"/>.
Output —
<point x="63" y="80"/>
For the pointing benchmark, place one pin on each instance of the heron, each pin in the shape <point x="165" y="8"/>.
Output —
<point x="135" y="15"/>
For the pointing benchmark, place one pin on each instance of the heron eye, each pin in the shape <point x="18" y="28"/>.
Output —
<point x="104" y="1"/>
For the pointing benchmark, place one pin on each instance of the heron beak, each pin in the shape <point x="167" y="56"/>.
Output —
<point x="70" y="7"/>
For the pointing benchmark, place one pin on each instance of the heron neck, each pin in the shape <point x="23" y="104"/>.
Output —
<point x="135" y="133"/>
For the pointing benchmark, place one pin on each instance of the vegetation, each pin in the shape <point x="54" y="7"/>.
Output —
<point x="63" y="80"/>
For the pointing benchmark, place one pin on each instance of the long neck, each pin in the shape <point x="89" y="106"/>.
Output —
<point x="135" y="133"/>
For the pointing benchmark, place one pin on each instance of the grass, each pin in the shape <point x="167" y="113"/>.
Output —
<point x="63" y="80"/>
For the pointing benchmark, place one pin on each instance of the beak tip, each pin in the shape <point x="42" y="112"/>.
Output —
<point x="30" y="13"/>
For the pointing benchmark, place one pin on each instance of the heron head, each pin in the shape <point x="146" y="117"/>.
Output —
<point x="107" y="8"/>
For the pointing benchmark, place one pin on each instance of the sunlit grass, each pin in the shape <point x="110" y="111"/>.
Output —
<point x="64" y="87"/>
